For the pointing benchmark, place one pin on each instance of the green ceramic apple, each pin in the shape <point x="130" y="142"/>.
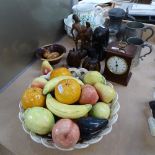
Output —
<point x="100" y="110"/>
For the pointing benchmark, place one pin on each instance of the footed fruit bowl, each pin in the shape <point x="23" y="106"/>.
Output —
<point x="47" y="140"/>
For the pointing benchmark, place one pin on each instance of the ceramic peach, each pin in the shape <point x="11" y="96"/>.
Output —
<point x="65" y="133"/>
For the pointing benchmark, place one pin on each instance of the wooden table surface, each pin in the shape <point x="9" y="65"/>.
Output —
<point x="129" y="136"/>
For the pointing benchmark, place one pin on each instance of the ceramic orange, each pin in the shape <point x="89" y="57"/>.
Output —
<point x="33" y="97"/>
<point x="68" y="91"/>
<point x="60" y="72"/>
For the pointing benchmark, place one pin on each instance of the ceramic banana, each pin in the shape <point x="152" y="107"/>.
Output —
<point x="66" y="111"/>
<point x="50" y="85"/>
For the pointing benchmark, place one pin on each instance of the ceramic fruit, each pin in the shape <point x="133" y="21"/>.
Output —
<point x="88" y="95"/>
<point x="67" y="91"/>
<point x="100" y="110"/>
<point x="53" y="82"/>
<point x="65" y="133"/>
<point x="39" y="82"/>
<point x="90" y="126"/>
<point x="33" y="97"/>
<point x="106" y="93"/>
<point x="39" y="120"/>
<point x="46" y="67"/>
<point x="89" y="135"/>
<point x="61" y="71"/>
<point x="66" y="111"/>
<point x="91" y="123"/>
<point x="93" y="77"/>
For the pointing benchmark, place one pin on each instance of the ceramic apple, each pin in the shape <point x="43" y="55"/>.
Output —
<point x="100" y="110"/>
<point x="88" y="95"/>
<point x="65" y="133"/>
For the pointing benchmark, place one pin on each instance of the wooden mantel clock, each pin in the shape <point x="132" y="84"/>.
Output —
<point x="118" y="62"/>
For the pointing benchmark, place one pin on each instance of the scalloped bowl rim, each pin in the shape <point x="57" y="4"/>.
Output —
<point x="38" y="139"/>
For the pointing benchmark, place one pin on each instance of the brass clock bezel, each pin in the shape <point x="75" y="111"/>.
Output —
<point x="115" y="72"/>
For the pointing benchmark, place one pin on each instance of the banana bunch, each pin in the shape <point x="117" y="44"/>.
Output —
<point x="66" y="111"/>
<point x="50" y="85"/>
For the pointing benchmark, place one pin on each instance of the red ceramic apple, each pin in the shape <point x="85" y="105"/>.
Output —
<point x="65" y="133"/>
<point x="88" y="95"/>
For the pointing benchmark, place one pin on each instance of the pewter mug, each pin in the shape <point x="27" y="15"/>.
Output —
<point x="140" y="44"/>
<point x="135" y="29"/>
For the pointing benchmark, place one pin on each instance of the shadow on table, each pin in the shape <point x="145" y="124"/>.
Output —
<point x="4" y="151"/>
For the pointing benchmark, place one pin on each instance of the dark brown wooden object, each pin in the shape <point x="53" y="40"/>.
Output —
<point x="91" y="64"/>
<point x="124" y="54"/>
<point x="83" y="33"/>
<point x="74" y="58"/>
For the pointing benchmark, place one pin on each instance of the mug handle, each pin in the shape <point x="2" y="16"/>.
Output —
<point x="150" y="50"/>
<point x="152" y="32"/>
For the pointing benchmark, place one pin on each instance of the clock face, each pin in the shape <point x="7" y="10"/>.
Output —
<point x="117" y="65"/>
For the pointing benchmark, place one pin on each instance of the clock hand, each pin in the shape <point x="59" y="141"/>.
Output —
<point x="116" y="63"/>
<point x="116" y="66"/>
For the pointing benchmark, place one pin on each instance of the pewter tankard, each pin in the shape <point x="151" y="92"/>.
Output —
<point x="135" y="29"/>
<point x="140" y="44"/>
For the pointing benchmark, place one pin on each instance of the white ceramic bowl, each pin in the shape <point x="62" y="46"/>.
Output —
<point x="47" y="141"/>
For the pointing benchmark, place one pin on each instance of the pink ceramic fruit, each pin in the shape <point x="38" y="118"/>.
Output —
<point x="38" y="82"/>
<point x="88" y="95"/>
<point x="65" y="133"/>
<point x="46" y="67"/>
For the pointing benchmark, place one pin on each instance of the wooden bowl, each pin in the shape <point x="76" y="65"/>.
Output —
<point x="51" y="48"/>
